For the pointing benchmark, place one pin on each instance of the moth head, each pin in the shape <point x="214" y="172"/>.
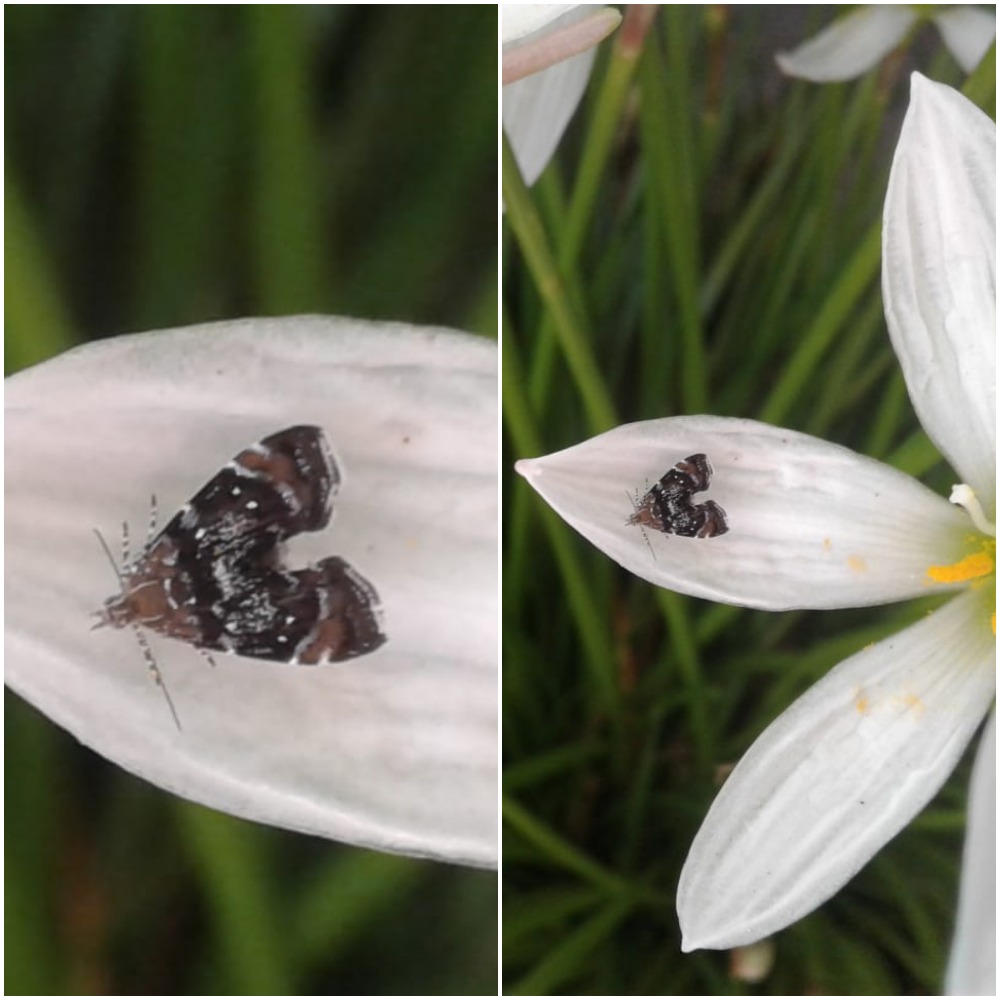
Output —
<point x="116" y="613"/>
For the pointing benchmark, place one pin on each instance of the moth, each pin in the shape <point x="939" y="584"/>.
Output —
<point x="215" y="578"/>
<point x="668" y="506"/>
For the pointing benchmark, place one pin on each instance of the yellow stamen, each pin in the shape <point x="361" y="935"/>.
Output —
<point x="973" y="567"/>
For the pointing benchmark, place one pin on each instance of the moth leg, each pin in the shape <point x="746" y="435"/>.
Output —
<point x="207" y="655"/>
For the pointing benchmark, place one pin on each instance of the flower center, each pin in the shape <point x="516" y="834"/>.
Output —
<point x="979" y="564"/>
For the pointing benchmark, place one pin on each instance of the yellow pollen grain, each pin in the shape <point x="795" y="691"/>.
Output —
<point x="973" y="567"/>
<point x="857" y="564"/>
<point x="862" y="705"/>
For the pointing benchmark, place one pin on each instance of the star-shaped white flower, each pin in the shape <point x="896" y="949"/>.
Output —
<point x="396" y="749"/>
<point x="855" y="42"/>
<point x="814" y="525"/>
<point x="548" y="51"/>
<point x="972" y="970"/>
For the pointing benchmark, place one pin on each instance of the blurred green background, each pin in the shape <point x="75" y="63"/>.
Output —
<point x="175" y="165"/>
<point x="706" y="241"/>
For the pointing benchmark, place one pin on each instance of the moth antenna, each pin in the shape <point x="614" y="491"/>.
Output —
<point x="126" y="547"/>
<point x="154" y="672"/>
<point x="630" y="500"/>
<point x="648" y="542"/>
<point x="170" y="703"/>
<point x="151" y="530"/>
<point x="111" y="559"/>
<point x="140" y="638"/>
<point x="634" y="500"/>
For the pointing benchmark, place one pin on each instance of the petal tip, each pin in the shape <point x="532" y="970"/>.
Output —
<point x="785" y="63"/>
<point x="919" y="84"/>
<point x="528" y="468"/>
<point x="687" y="915"/>
<point x="693" y="940"/>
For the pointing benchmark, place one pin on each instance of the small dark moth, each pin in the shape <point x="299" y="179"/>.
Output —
<point x="214" y="578"/>
<point x="668" y="506"/>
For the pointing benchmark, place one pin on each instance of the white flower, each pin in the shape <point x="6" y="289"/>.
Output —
<point x="857" y="41"/>
<point x="972" y="970"/>
<point x="548" y="51"/>
<point x="396" y="749"/>
<point x="814" y="525"/>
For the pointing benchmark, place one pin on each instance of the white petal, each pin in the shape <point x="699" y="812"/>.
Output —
<point x="811" y="524"/>
<point x="396" y="749"/>
<point x="537" y="109"/>
<point x="939" y="276"/>
<point x="571" y="36"/>
<point x="836" y="776"/>
<point x="972" y="970"/>
<point x="968" y="32"/>
<point x="850" y="46"/>
<point x="521" y="19"/>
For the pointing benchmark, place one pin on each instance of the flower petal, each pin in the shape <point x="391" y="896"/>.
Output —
<point x="811" y="524"/>
<point x="850" y="46"/>
<point x="519" y="20"/>
<point x="537" y="109"/>
<point x="836" y="776"/>
<point x="968" y="32"/>
<point x="571" y="36"/>
<point x="972" y="970"/>
<point x="939" y="276"/>
<point x="396" y="749"/>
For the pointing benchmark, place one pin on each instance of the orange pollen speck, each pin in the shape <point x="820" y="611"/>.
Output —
<point x="970" y="568"/>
